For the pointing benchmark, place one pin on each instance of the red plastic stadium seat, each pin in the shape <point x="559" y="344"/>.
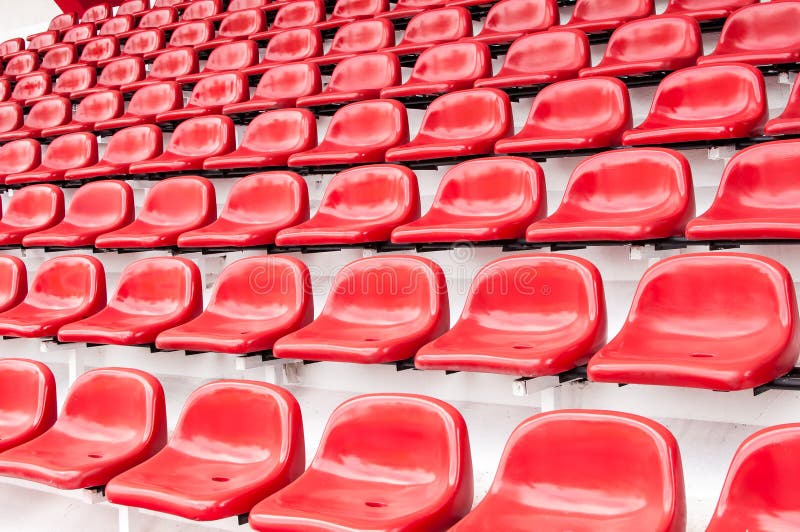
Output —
<point x="76" y="150"/>
<point x="112" y="419"/>
<point x="31" y="86"/>
<point x="11" y="117"/>
<point x="508" y="20"/>
<point x="269" y="140"/>
<point x="360" y="77"/>
<point x="73" y="79"/>
<point x="94" y="108"/>
<point x="570" y="115"/>
<point x="360" y="205"/>
<point x="5" y="89"/>
<point x="256" y="300"/>
<point x="380" y="309"/>
<point x="356" y="481"/>
<point x="404" y="9"/>
<point x="257" y="207"/>
<point x="217" y="465"/>
<point x="127" y="146"/>
<point x="480" y="200"/>
<point x="31" y="209"/>
<point x="585" y="470"/>
<point x="288" y="47"/>
<point x="166" y="3"/>
<point x="144" y="42"/>
<point x="116" y="25"/>
<point x="704" y="103"/>
<point x="58" y="57"/>
<point x="11" y="46"/>
<point x="133" y="7"/>
<point x="355" y="38"/>
<point x="459" y="124"/>
<point x="210" y="95"/>
<point x="192" y="142"/>
<point x="688" y="325"/>
<point x="27" y="392"/>
<point x="172" y="207"/>
<point x="77" y="33"/>
<point x="97" y="13"/>
<point x="295" y="14"/>
<point x="13" y="288"/>
<point x="280" y="87"/>
<point x="152" y="296"/>
<point x="47" y="112"/>
<point x="62" y="22"/>
<point x="99" y="49"/>
<point x="359" y="132"/>
<point x="21" y="64"/>
<point x="445" y="68"/>
<point x="759" y="35"/>
<point x="238" y="25"/>
<point x="592" y="16"/>
<point x="239" y="5"/>
<point x="705" y="9"/>
<point x="157" y="19"/>
<point x="189" y="34"/>
<point x="42" y="41"/>
<point x="198" y="10"/>
<point x="758" y="494"/>
<point x="167" y="67"/>
<point x="788" y="123"/>
<point x="64" y="289"/>
<point x="639" y="194"/>
<point x="653" y="44"/>
<point x="116" y="74"/>
<point x="19" y="156"/>
<point x="230" y="57"/>
<point x="345" y="11"/>
<point x="96" y="208"/>
<point x="145" y="105"/>
<point x="755" y="199"/>
<point x="434" y="27"/>
<point x="542" y="58"/>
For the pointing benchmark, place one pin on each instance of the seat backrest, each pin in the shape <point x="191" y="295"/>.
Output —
<point x="19" y="156"/>
<point x="456" y="61"/>
<point x="35" y="205"/>
<point x="596" y="10"/>
<point x="364" y="72"/>
<point x="5" y="89"/>
<point x="204" y="136"/>
<point x="220" y="89"/>
<point x="174" y="63"/>
<point x="40" y="40"/>
<point x="75" y="150"/>
<point x="31" y="86"/>
<point x="556" y="51"/>
<point x="68" y="282"/>
<point x="201" y="9"/>
<point x="49" y="112"/>
<point x="151" y="100"/>
<point x="178" y="201"/>
<point x="363" y="36"/>
<point x="293" y="45"/>
<point x="368" y="123"/>
<point x="346" y="9"/>
<point x="155" y="18"/>
<point x="75" y="79"/>
<point x="760" y="27"/>
<point x="275" y="197"/>
<point x="11" y="116"/>
<point x="107" y="203"/>
<point x="158" y="285"/>
<point x="79" y="32"/>
<point x="100" y="48"/>
<point x="144" y="41"/>
<point x="232" y="56"/>
<point x="438" y="25"/>
<point x="291" y="80"/>
<point x="97" y="13"/>
<point x="521" y="15"/>
<point x="467" y="114"/>
<point x="287" y="130"/>
<point x="242" y="23"/>
<point x="59" y="56"/>
<point x="238" y="5"/>
<point x="116" y="25"/>
<point x="299" y="13"/>
<point x="655" y="38"/>
<point x="134" y="144"/>
<point x="122" y="70"/>
<point x="689" y="7"/>
<point x="13" y="287"/>
<point x="129" y="7"/>
<point x="166" y="3"/>
<point x="22" y="63"/>
<point x="11" y="46"/>
<point x="62" y="21"/>
<point x="27" y="387"/>
<point x="192" y="33"/>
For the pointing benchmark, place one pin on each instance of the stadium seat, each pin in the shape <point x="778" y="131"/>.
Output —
<point x="508" y="20"/>
<point x="64" y="289"/>
<point x="210" y="95"/>
<point x="573" y="115"/>
<point x="96" y="208"/>
<point x="519" y="329"/>
<point x="240" y="5"/>
<point x="73" y="79"/>
<point x="788" y="123"/>
<point x="646" y="46"/>
<point x="459" y="124"/>
<point x="11" y="117"/>
<point x="345" y="11"/>
<point x="11" y="46"/>
<point x="144" y="42"/>
<point x="404" y="9"/>
<point x="188" y="34"/>
<point x="167" y="3"/>
<point x="355" y="38"/>
<point x="360" y="205"/>
<point x="13" y="288"/>
<point x="19" y="156"/>
<point x="758" y="493"/>
<point x="43" y="41"/>
<point x="444" y="68"/>
<point x="487" y="199"/>
<point x="360" y="77"/>
<point x="21" y="64"/>
<point x="158" y="18"/>
<point x="116" y="74"/>
<point x="192" y="142"/>
<point x="238" y="25"/>
<point x="112" y="419"/>
<point x="47" y="112"/>
<point x="368" y="321"/>
<point x="755" y="198"/>
<point x="703" y="10"/>
<point x="358" y="133"/>
<point x="146" y="103"/>
<point x="152" y="295"/>
<point x="127" y="146"/>
<point x="97" y="13"/>
<point x="594" y="16"/>
<point x="269" y="140"/>
<point x="133" y="7"/>
<point x="433" y="27"/>
<point x="295" y="14"/>
<point x="585" y="470"/>
<point x="5" y="90"/>
<point x="280" y="87"/>
<point x="31" y="209"/>
<point x="168" y="66"/>
<point x="759" y="35"/>
<point x="288" y="46"/>
<point x="230" y="57"/>
<point x="257" y="207"/>
<point x="688" y="325"/>
<point x="62" y="22"/>
<point x="628" y="195"/>
<point x="27" y="389"/>
<point x="704" y="103"/>
<point x="95" y="107"/>
<point x="116" y="25"/>
<point x="217" y="465"/>
<point x="31" y="86"/>
<point x="76" y="150"/>
<point x="256" y="300"/>
<point x="197" y="10"/>
<point x="58" y="57"/>
<point x="356" y="480"/>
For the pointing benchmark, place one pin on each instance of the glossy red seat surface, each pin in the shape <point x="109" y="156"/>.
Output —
<point x="705" y="9"/>
<point x="21" y="64"/>
<point x="355" y="38"/>
<point x="280" y="87"/>
<point x="192" y="142"/>
<point x="572" y="115"/>
<point x="759" y="35"/>
<point x="230" y="57"/>
<point x="75" y="78"/>
<point x="31" y="86"/>
<point x="345" y="11"/>
<point x="628" y="195"/>
<point x="76" y="33"/>
<point x="5" y="89"/>
<point x="191" y="34"/>
<point x="788" y="123"/>
<point x="758" y="493"/>
<point x="288" y="46"/>
<point x="689" y="325"/>
<point x="585" y="470"/>
<point x="653" y="44"/>
<point x="19" y="156"/>
<point x="704" y="103"/>
<point x="133" y="7"/>
<point x="158" y="18"/>
<point x="30" y="209"/>
<point x="214" y="466"/>
<point x="360" y="77"/>
<point x="210" y="95"/>
<point x="11" y="117"/>
<point x="97" y="13"/>
<point x="11" y="46"/>
<point x="152" y="296"/>
<point x="593" y="16"/>
<point x="511" y="19"/>
<point x="434" y="27"/>
<point x="127" y="146"/>
<point x="13" y="284"/>
<point x="95" y="208"/>
<point x="146" y="103"/>
<point x="62" y="21"/>
<point x="238" y="25"/>
<point x="359" y="132"/>
<point x="756" y="197"/>
<point x="64" y="289"/>
<point x="95" y="107"/>
<point x="257" y="207"/>
<point x="198" y="10"/>
<point x="41" y="41"/>
<point x="256" y="300"/>
<point x="445" y="68"/>
<point x="367" y="321"/>
<point x="459" y="124"/>
<point x="99" y="49"/>
<point x="112" y="419"/>
<point x="48" y="112"/>
<point x="168" y="66"/>
<point x="359" y="481"/>
<point x="58" y="57"/>
<point x="117" y="24"/>
<point x="117" y="73"/>
<point x="27" y="396"/>
<point x="359" y="205"/>
<point x="404" y="9"/>
<point x="76" y="150"/>
<point x="295" y="14"/>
